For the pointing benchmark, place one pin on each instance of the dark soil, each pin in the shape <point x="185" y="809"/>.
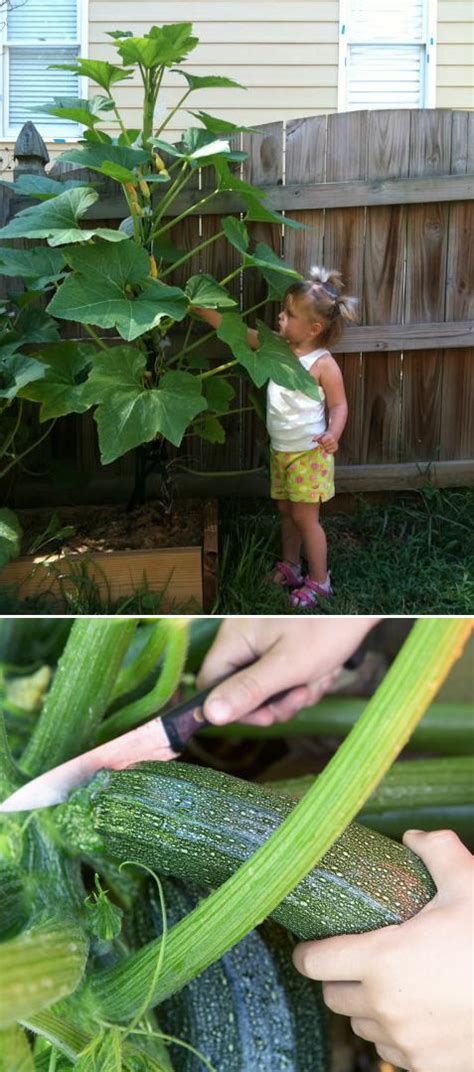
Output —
<point x="111" y="528"/>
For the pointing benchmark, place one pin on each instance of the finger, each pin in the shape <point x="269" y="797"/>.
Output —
<point x="368" y="1029"/>
<point x="445" y="856"/>
<point x="393" y="1056"/>
<point x="281" y="710"/>
<point x="232" y="648"/>
<point x="347" y="999"/>
<point x="246" y="692"/>
<point x="341" y="959"/>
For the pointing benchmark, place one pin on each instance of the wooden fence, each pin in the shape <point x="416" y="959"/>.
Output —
<point x="387" y="197"/>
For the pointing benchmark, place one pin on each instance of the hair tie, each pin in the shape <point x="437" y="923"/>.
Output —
<point x="331" y="291"/>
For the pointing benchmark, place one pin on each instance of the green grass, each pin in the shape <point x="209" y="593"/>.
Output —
<point x="413" y="556"/>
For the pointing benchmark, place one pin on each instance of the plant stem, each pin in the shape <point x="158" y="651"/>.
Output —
<point x="218" y="368"/>
<point x="197" y="249"/>
<point x="171" y="114"/>
<point x="10" y="438"/>
<point x="166" y="684"/>
<point x="28" y="450"/>
<point x="187" y="212"/>
<point x="131" y="676"/>
<point x="97" y="339"/>
<point x="257" y="887"/>
<point x="80" y="692"/>
<point x="10" y="778"/>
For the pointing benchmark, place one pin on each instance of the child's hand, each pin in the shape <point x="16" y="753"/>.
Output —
<point x="303" y="656"/>
<point x="327" y="441"/>
<point x="408" y="988"/>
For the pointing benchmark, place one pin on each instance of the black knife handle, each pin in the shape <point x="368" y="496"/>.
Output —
<point x="183" y="721"/>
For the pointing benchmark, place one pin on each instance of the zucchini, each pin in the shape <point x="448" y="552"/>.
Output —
<point x="249" y="1010"/>
<point x="430" y="794"/>
<point x="200" y="825"/>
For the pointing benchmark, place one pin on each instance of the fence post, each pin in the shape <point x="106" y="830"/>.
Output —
<point x="30" y="152"/>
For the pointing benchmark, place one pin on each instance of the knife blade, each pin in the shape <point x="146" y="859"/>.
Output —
<point x="162" y="738"/>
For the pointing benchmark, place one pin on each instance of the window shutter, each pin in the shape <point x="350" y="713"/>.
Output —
<point x="39" y="34"/>
<point x="386" y="54"/>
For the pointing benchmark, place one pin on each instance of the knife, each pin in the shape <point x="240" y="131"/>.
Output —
<point x="161" y="738"/>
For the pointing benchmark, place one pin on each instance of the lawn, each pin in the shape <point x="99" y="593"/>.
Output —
<point x="412" y="556"/>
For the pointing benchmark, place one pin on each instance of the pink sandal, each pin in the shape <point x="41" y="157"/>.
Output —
<point x="309" y="593"/>
<point x="290" y="573"/>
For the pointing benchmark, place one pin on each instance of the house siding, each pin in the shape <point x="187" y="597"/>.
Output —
<point x="288" y="66"/>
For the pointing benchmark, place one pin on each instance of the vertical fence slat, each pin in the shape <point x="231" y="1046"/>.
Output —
<point x="346" y="158"/>
<point x="305" y="162"/>
<point x="384" y="256"/>
<point x="430" y="154"/>
<point x="457" y="405"/>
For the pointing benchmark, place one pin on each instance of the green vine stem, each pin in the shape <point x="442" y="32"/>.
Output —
<point x="446" y="728"/>
<point x="10" y="777"/>
<point x="80" y="692"/>
<point x="223" y="918"/>
<point x="166" y="685"/>
<point x="145" y="662"/>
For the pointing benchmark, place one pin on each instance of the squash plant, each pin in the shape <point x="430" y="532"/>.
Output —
<point x="105" y="971"/>
<point x="147" y="388"/>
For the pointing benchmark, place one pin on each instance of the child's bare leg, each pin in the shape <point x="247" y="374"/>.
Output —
<point x="305" y="518"/>
<point x="290" y="533"/>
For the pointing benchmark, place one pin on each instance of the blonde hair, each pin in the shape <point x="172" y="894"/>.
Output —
<point x="323" y="292"/>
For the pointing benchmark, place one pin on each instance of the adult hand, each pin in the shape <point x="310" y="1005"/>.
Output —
<point x="409" y="988"/>
<point x="302" y="655"/>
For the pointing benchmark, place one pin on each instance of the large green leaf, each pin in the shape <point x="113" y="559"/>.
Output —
<point x="258" y="213"/>
<point x="271" y="265"/>
<point x="209" y="428"/>
<point x="222" y="126"/>
<point x="60" y="388"/>
<point x="58" y="220"/>
<point x="86" y="111"/>
<point x="10" y="536"/>
<point x="128" y="413"/>
<point x="204" y="290"/>
<point x="162" y="46"/>
<point x="17" y="370"/>
<point x="236" y="233"/>
<point x="40" y="186"/>
<point x="209" y="81"/>
<point x="229" y="181"/>
<point x="102" y="290"/>
<point x="218" y="393"/>
<point x="104" y="74"/>
<point x="39" y="266"/>
<point x="102" y="157"/>
<point x="273" y="359"/>
<point x="34" y="325"/>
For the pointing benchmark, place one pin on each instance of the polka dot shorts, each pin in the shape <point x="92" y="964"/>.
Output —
<point x="306" y="476"/>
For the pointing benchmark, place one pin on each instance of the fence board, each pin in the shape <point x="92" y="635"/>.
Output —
<point x="346" y="158"/>
<point x="427" y="229"/>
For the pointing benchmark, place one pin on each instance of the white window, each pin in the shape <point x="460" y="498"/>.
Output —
<point x="35" y="34"/>
<point x="387" y="54"/>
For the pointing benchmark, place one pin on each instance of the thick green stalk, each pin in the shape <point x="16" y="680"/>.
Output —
<point x="15" y="1052"/>
<point x="192" y="253"/>
<point x="10" y="777"/>
<point x="223" y="918"/>
<point x="50" y="1025"/>
<point x="185" y="214"/>
<point x="166" y="684"/>
<point x="446" y="728"/>
<point x="145" y="662"/>
<point x="39" y="967"/>
<point x="80" y="692"/>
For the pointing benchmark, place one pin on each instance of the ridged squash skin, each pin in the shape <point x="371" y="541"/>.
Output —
<point x="200" y="825"/>
<point x="251" y="1010"/>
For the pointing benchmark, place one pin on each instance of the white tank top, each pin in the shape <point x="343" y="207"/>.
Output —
<point x="293" y="418"/>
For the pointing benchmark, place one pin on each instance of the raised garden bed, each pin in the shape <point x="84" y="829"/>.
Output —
<point x="117" y="554"/>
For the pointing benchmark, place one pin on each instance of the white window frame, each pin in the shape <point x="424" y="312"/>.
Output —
<point x="429" y="82"/>
<point x="49" y="133"/>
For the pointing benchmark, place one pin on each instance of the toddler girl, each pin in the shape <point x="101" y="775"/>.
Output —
<point x="304" y="432"/>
